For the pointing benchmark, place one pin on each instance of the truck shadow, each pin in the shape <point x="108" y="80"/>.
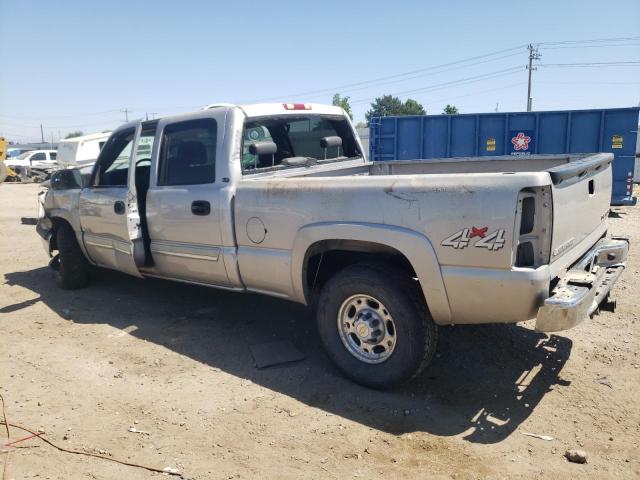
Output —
<point x="483" y="383"/>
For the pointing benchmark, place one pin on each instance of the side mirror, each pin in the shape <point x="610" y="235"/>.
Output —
<point x="66" y="179"/>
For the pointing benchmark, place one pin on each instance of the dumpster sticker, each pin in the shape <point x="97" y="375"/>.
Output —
<point x="616" y="141"/>
<point x="521" y="142"/>
<point x="491" y="144"/>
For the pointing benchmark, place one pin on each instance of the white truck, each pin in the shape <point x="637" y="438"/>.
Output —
<point x="33" y="164"/>
<point x="279" y="199"/>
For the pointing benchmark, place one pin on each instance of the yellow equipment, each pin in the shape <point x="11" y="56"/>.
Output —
<point x="5" y="170"/>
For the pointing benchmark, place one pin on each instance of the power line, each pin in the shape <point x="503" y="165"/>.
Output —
<point x="589" y="83"/>
<point x="77" y="125"/>
<point x="420" y="75"/>
<point x="389" y="77"/>
<point x="592" y="40"/>
<point x="462" y="81"/>
<point x="61" y="116"/>
<point x="617" y="45"/>
<point x="593" y="64"/>
<point x="473" y="94"/>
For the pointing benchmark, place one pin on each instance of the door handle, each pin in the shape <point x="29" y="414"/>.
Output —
<point x="200" y="207"/>
<point x="118" y="207"/>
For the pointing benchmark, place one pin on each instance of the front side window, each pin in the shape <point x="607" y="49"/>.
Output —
<point x="188" y="153"/>
<point x="37" y="157"/>
<point x="112" y="168"/>
<point x="298" y="139"/>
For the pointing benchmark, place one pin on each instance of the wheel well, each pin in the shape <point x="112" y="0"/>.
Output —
<point x="56" y="222"/>
<point x="324" y="259"/>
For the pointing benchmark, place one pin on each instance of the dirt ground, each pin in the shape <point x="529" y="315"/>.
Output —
<point x="173" y="361"/>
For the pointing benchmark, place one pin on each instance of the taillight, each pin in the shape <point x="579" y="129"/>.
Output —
<point x="533" y="226"/>
<point x="296" y="106"/>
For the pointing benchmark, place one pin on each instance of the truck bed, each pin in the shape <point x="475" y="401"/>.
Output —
<point x="433" y="199"/>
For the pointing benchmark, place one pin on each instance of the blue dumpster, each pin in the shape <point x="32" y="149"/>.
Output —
<point x="612" y="130"/>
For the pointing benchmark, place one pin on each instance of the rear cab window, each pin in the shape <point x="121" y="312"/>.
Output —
<point x="298" y="138"/>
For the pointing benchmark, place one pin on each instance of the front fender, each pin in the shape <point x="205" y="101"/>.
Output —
<point x="414" y="246"/>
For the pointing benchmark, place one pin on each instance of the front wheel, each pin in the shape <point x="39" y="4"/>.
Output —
<point x="73" y="269"/>
<point x="375" y="325"/>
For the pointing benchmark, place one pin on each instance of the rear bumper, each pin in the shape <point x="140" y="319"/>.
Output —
<point x="584" y="287"/>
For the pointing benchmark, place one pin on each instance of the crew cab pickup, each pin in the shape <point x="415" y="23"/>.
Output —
<point x="279" y="199"/>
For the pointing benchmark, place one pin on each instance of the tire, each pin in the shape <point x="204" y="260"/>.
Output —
<point x="380" y="357"/>
<point x="73" y="268"/>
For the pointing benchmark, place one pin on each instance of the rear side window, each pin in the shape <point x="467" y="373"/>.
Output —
<point x="188" y="153"/>
<point x="53" y="155"/>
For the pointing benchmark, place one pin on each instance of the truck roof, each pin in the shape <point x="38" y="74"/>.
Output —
<point x="261" y="109"/>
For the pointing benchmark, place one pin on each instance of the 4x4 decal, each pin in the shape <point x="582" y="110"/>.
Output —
<point x="462" y="238"/>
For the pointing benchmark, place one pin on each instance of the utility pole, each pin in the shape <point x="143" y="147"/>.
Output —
<point x="126" y="115"/>
<point x="497" y="106"/>
<point x="533" y="55"/>
<point x="153" y="115"/>
<point x="42" y="134"/>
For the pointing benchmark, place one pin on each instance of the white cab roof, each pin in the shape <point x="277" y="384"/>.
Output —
<point x="261" y="109"/>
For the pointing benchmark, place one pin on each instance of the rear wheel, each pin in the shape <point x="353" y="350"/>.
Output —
<point x="375" y="325"/>
<point x="72" y="267"/>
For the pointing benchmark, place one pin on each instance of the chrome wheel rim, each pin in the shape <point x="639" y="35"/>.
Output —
<point x="366" y="328"/>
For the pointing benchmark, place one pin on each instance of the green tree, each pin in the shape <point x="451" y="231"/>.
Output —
<point x="411" y="107"/>
<point x="450" y="110"/>
<point x="77" y="133"/>
<point x="343" y="102"/>
<point x="389" y="105"/>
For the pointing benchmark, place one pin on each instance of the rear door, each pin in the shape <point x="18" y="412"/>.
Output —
<point x="104" y="204"/>
<point x="184" y="202"/>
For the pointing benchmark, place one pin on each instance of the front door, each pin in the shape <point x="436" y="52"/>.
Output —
<point x="105" y="205"/>
<point x="183" y="208"/>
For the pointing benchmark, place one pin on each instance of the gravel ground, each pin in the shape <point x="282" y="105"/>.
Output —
<point x="173" y="361"/>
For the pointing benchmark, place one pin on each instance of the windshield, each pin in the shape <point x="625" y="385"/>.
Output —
<point x="299" y="141"/>
<point x="24" y="155"/>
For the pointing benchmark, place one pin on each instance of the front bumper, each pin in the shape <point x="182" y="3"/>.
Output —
<point x="581" y="291"/>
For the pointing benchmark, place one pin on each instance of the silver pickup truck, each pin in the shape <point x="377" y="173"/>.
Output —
<point x="279" y="199"/>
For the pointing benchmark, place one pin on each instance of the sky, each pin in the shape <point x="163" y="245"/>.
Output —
<point x="76" y="65"/>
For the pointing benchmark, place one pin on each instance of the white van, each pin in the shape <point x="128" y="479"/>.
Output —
<point x="83" y="150"/>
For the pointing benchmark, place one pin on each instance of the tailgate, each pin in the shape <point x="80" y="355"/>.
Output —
<point x="581" y="195"/>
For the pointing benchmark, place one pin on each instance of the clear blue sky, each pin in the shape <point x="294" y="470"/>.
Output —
<point x="72" y="65"/>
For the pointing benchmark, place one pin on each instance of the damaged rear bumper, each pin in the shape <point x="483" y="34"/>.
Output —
<point x="583" y="289"/>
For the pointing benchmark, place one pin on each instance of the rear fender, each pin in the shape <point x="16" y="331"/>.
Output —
<point x="414" y="246"/>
